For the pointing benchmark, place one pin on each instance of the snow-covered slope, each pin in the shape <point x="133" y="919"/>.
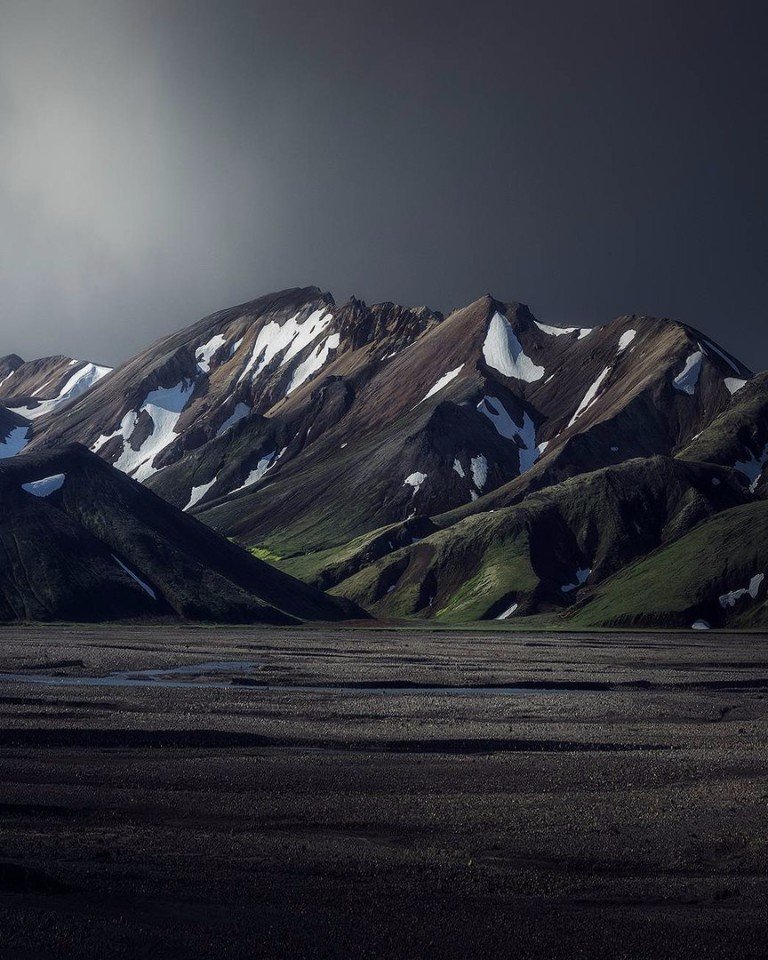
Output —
<point x="37" y="388"/>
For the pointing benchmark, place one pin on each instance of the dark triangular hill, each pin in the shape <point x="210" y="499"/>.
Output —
<point x="81" y="541"/>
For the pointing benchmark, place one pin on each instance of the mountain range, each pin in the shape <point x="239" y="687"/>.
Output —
<point x="480" y="465"/>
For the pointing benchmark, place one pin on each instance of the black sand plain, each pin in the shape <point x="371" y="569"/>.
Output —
<point x="610" y="800"/>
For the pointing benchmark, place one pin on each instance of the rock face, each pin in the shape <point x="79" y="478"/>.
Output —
<point x="439" y="466"/>
<point x="81" y="541"/>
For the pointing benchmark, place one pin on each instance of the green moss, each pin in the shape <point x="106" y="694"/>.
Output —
<point x="332" y="527"/>
<point x="310" y="565"/>
<point x="505" y="569"/>
<point x="263" y="553"/>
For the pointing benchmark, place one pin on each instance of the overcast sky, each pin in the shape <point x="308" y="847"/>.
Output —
<point x="161" y="159"/>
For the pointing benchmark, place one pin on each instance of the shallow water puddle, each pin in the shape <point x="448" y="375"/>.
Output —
<point x="167" y="678"/>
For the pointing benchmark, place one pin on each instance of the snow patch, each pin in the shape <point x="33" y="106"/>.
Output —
<point x="198" y="493"/>
<point x="479" y="466"/>
<point x="733" y="384"/>
<point x="289" y="338"/>
<point x="700" y="625"/>
<point x="80" y="381"/>
<point x="687" y="379"/>
<point x="589" y="397"/>
<point x="240" y="411"/>
<point x="164" y="406"/>
<point x="458" y="467"/>
<point x="415" y="480"/>
<point x="265" y="463"/>
<point x="524" y="436"/>
<point x="314" y="362"/>
<point x="508" y="612"/>
<point x="46" y="486"/>
<point x="204" y="354"/>
<point x="504" y="352"/>
<point x="14" y="443"/>
<point x="581" y="576"/>
<point x="555" y="331"/>
<point x="730" y="599"/>
<point x="625" y="339"/>
<point x="442" y="382"/>
<point x="144" y="586"/>
<point x="752" y="469"/>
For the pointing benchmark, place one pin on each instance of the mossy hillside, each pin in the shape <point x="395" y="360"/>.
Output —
<point x="530" y="552"/>
<point x="682" y="581"/>
<point x="505" y="573"/>
<point x="461" y="573"/>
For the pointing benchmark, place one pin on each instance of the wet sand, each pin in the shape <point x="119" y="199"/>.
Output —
<point x="594" y="796"/>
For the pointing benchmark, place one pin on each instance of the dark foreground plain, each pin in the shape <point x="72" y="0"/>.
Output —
<point x="616" y="806"/>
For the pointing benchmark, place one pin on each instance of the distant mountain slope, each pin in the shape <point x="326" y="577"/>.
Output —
<point x="37" y="388"/>
<point x="488" y="403"/>
<point x="539" y="555"/>
<point x="199" y="384"/>
<point x="79" y="540"/>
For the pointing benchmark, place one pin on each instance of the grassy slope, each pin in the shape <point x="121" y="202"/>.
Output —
<point x="308" y="566"/>
<point x="682" y="581"/>
<point x="480" y="561"/>
<point x="601" y="521"/>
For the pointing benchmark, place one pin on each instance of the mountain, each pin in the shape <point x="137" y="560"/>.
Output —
<point x="263" y="419"/>
<point x="452" y="466"/>
<point x="81" y="541"/>
<point x="484" y="407"/>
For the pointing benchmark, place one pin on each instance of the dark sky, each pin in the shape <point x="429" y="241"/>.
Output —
<point x="161" y="159"/>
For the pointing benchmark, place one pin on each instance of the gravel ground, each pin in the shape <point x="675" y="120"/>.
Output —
<point x="613" y="803"/>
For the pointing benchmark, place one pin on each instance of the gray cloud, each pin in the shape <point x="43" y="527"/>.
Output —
<point x="159" y="160"/>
